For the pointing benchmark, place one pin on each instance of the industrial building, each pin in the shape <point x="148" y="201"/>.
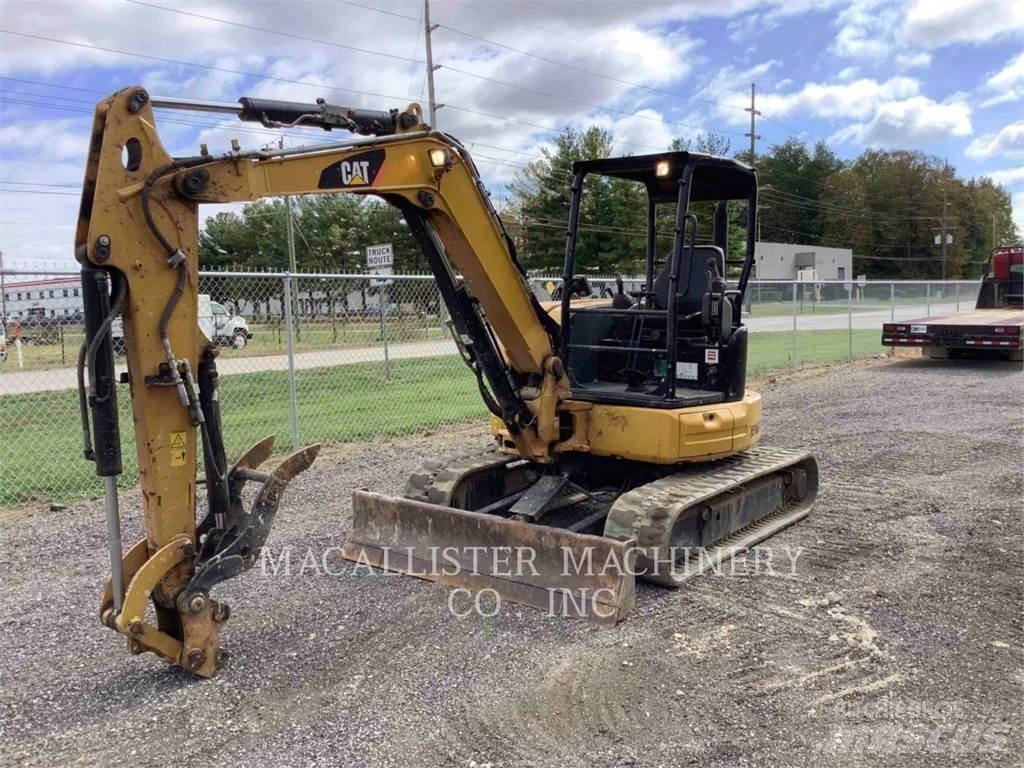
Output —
<point x="52" y="298"/>
<point x="791" y="261"/>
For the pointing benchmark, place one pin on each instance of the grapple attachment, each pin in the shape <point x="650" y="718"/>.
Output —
<point x="179" y="576"/>
<point x="558" y="571"/>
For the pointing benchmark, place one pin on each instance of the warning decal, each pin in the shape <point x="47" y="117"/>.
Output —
<point x="179" y="449"/>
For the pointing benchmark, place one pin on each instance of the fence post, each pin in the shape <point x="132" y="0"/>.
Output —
<point x="958" y="297"/>
<point x="382" y="301"/>
<point x="290" y="327"/>
<point x="849" y="316"/>
<point x="441" y="311"/>
<point x="792" y="360"/>
<point x="928" y="299"/>
<point x="892" y="302"/>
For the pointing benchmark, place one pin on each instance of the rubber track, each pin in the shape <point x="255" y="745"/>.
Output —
<point x="435" y="481"/>
<point x="648" y="512"/>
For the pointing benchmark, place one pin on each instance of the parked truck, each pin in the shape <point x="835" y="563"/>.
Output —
<point x="217" y="323"/>
<point x="993" y="328"/>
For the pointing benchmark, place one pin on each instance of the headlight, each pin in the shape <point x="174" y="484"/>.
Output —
<point x="439" y="158"/>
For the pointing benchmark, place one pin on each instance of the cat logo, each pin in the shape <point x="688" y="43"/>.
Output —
<point x="358" y="171"/>
<point x="354" y="172"/>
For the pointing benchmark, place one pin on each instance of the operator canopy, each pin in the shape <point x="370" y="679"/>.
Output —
<point x="728" y="180"/>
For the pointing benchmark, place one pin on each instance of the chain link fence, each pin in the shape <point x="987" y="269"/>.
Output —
<point x="340" y="358"/>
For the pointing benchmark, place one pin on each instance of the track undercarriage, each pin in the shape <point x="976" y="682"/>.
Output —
<point x="591" y="525"/>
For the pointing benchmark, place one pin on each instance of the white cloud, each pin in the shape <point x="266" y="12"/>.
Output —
<point x="1008" y="142"/>
<point x="913" y="60"/>
<point x="768" y="15"/>
<point x="63" y="139"/>
<point x="936" y="23"/>
<point x="643" y="128"/>
<point x="38" y="230"/>
<point x="889" y="112"/>
<point x="1007" y="175"/>
<point x="1007" y="84"/>
<point x="1010" y="75"/>
<point x="865" y="30"/>
<point x="907" y="122"/>
<point x="832" y="101"/>
<point x="870" y="31"/>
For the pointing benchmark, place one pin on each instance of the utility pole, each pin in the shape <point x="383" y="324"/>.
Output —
<point x="945" y="205"/>
<point x="428" y="28"/>
<point x="754" y="113"/>
<point x="3" y="288"/>
<point x="292" y="269"/>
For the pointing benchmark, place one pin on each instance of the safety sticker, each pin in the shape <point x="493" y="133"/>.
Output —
<point x="179" y="449"/>
<point x="711" y="356"/>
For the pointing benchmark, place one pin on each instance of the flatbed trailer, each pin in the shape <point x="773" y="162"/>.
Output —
<point x="994" y="327"/>
<point x="979" y="331"/>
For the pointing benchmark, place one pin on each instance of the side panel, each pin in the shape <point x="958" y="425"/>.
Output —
<point x="666" y="436"/>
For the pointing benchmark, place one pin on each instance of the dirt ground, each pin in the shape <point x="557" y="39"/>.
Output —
<point x="896" y="641"/>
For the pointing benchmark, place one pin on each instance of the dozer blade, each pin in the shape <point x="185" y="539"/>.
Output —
<point x="558" y="571"/>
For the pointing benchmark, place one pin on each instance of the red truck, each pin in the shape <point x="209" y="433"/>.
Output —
<point x="994" y="327"/>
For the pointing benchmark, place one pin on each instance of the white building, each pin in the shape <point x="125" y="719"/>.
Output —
<point x="784" y="261"/>
<point x="53" y="298"/>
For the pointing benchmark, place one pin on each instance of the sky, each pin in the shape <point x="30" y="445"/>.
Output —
<point x="942" y="76"/>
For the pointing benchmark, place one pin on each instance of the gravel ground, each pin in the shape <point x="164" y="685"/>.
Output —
<point x="897" y="641"/>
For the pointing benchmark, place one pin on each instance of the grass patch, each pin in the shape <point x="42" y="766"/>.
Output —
<point x="40" y="439"/>
<point x="774" y="351"/>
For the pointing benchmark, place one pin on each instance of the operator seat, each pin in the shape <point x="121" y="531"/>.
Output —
<point x="693" y="279"/>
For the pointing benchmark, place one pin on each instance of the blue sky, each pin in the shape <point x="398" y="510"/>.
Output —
<point x="943" y="77"/>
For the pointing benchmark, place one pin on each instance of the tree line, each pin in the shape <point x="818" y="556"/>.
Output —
<point x="888" y="206"/>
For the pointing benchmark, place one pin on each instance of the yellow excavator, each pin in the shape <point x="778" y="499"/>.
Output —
<point x="625" y="440"/>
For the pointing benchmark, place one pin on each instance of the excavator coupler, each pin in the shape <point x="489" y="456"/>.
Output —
<point x="180" y="575"/>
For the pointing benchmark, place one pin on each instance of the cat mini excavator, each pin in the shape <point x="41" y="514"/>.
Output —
<point x="625" y="440"/>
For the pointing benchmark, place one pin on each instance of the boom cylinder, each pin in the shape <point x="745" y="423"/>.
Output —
<point x="102" y="398"/>
<point x="102" y="401"/>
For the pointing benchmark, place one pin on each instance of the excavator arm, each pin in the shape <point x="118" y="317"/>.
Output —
<point x="137" y="242"/>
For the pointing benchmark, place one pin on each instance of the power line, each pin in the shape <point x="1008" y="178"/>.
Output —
<point x="585" y="71"/>
<point x="37" y="192"/>
<point x="378" y="10"/>
<point x="415" y="50"/>
<point x="554" y="62"/>
<point x="173" y="120"/>
<point x="430" y="65"/>
<point x="809" y="204"/>
<point x="841" y="245"/>
<point x="305" y="83"/>
<point x="38" y="184"/>
<point x="178" y="62"/>
<point x="612" y="110"/>
<point x="589" y="44"/>
<point x="280" y="33"/>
